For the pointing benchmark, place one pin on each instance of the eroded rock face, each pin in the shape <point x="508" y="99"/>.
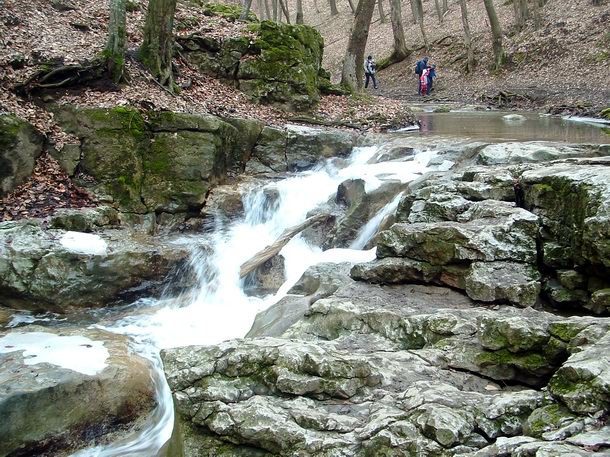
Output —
<point x="20" y="146"/>
<point x="464" y="230"/>
<point x="398" y="370"/>
<point x="38" y="272"/>
<point x="50" y="409"/>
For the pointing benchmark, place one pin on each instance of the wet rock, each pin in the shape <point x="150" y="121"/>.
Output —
<point x="504" y="153"/>
<point x="39" y="272"/>
<point x="297" y="148"/>
<point x="271" y="274"/>
<point x="48" y="408"/>
<point x="20" y="146"/>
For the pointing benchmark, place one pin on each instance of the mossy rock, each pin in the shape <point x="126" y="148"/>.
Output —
<point x="546" y="419"/>
<point x="20" y="146"/>
<point x="227" y="11"/>
<point x="605" y="113"/>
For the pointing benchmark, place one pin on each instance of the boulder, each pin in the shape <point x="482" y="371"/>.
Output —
<point x="69" y="389"/>
<point x="20" y="146"/>
<point x="54" y="270"/>
<point x="537" y="151"/>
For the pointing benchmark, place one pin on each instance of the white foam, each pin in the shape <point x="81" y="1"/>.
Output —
<point x="84" y="243"/>
<point x="75" y="353"/>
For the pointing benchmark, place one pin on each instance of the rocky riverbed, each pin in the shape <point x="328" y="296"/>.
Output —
<point x="474" y="322"/>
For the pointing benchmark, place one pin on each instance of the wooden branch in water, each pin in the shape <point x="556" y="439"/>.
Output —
<point x="273" y="249"/>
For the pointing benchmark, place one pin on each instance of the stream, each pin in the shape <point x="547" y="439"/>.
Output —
<point x="219" y="307"/>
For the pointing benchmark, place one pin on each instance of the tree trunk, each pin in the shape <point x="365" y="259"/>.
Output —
<point x="245" y="9"/>
<point x="275" y="9"/>
<point x="439" y="13"/>
<point x="414" y="11"/>
<point x="400" y="45"/>
<point x="267" y="10"/>
<point x="445" y="7"/>
<point x="115" y="47"/>
<point x="536" y="13"/>
<point x="333" y="7"/>
<point x="315" y="4"/>
<point x="420" y="20"/>
<point x="521" y="13"/>
<point x="351" y="6"/>
<point x="157" y="45"/>
<point x="467" y="37"/>
<point x="285" y="11"/>
<point x="496" y="33"/>
<point x="273" y="249"/>
<point x="299" y="18"/>
<point x="381" y="12"/>
<point x="353" y="71"/>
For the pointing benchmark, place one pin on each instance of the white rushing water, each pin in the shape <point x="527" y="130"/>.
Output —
<point x="219" y="309"/>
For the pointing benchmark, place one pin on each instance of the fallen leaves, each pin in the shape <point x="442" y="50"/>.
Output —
<point x="48" y="189"/>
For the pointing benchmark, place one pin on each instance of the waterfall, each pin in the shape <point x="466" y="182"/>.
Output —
<point x="219" y="309"/>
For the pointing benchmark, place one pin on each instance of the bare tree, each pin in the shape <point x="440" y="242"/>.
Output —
<point x="353" y="71"/>
<point x="470" y="63"/>
<point x="521" y="13"/>
<point x="115" y="46"/>
<point x="420" y="20"/>
<point x="381" y="11"/>
<point x="351" y="6"/>
<point x="414" y="11"/>
<point x="400" y="51"/>
<point x="299" y="18"/>
<point x="285" y="10"/>
<point x="496" y="34"/>
<point x="275" y="9"/>
<point x="536" y="14"/>
<point x="157" y="46"/>
<point x="439" y="13"/>
<point x="445" y="7"/>
<point x="267" y="9"/>
<point x="245" y="9"/>
<point x="333" y="7"/>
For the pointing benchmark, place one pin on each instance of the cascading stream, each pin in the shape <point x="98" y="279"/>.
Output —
<point x="219" y="309"/>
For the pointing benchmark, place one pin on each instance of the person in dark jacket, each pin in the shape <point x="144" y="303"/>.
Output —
<point x="431" y="76"/>
<point x="370" y="68"/>
<point x="419" y="68"/>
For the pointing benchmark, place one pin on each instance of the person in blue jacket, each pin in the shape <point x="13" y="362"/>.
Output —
<point x="419" y="68"/>
<point x="431" y="76"/>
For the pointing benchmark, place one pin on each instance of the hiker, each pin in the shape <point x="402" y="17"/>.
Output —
<point x="424" y="87"/>
<point x="370" y="68"/>
<point x="431" y="76"/>
<point x="419" y="68"/>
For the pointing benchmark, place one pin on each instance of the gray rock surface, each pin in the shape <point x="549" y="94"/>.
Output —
<point x="49" y="409"/>
<point x="38" y="273"/>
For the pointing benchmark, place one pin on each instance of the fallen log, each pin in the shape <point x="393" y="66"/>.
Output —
<point x="273" y="249"/>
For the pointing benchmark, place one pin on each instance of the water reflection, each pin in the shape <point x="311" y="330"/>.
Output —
<point x="494" y="126"/>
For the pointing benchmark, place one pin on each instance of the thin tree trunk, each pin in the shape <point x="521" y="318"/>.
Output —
<point x="467" y="38"/>
<point x="439" y="13"/>
<point x="400" y="44"/>
<point x="496" y="34"/>
<point x="115" y="47"/>
<point x="420" y="20"/>
<point x="445" y="7"/>
<point x="315" y="4"/>
<point x="299" y="18"/>
<point x="536" y="13"/>
<point x="414" y="11"/>
<point x="351" y="6"/>
<point x="285" y="11"/>
<point x="267" y="9"/>
<point x="333" y="7"/>
<point x="158" y="43"/>
<point x="381" y="11"/>
<point x="245" y="9"/>
<point x="353" y="71"/>
<point x="275" y="9"/>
